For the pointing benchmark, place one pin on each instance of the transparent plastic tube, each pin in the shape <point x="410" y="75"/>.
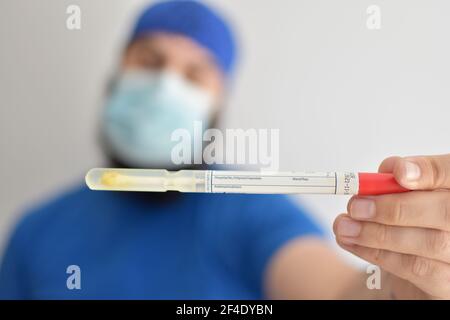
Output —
<point x="213" y="181"/>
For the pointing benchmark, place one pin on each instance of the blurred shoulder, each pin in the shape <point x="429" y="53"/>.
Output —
<point x="52" y="210"/>
<point x="63" y="200"/>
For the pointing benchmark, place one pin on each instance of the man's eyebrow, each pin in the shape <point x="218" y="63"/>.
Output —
<point x="207" y="61"/>
<point x="147" y="46"/>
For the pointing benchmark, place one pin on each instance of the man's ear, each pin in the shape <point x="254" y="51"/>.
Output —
<point x="216" y="117"/>
<point x="111" y="83"/>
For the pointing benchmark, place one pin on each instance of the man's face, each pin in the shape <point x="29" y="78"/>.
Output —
<point x="165" y="51"/>
<point x="139" y="123"/>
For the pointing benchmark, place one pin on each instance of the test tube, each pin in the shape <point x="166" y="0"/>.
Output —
<point x="258" y="182"/>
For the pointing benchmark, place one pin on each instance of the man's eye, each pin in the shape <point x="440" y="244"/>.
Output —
<point x="195" y="75"/>
<point x="149" y="58"/>
<point x="151" y="62"/>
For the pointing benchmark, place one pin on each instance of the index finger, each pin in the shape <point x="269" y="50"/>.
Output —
<point x="410" y="209"/>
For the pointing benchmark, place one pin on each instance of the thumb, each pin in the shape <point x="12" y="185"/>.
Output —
<point x="423" y="172"/>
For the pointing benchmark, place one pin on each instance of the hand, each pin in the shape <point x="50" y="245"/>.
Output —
<point x="405" y="234"/>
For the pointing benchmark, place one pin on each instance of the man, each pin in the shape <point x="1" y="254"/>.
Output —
<point x="174" y="71"/>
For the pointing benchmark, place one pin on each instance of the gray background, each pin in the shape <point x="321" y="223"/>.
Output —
<point x="344" y="97"/>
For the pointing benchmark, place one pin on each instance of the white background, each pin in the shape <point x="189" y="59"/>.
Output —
<point x="344" y="97"/>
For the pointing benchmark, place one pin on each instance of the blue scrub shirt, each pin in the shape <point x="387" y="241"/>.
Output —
<point x="139" y="246"/>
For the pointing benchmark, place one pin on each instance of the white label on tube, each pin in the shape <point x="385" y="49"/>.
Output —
<point x="347" y="183"/>
<point x="281" y="182"/>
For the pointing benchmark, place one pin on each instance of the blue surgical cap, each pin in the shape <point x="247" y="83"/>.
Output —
<point x="193" y="20"/>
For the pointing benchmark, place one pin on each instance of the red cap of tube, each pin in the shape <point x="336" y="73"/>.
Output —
<point x="378" y="183"/>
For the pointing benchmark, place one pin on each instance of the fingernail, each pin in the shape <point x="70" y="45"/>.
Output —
<point x="362" y="208"/>
<point x="348" y="228"/>
<point x="412" y="171"/>
<point x="347" y="241"/>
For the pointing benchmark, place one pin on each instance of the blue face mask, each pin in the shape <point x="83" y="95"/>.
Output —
<point x="143" y="111"/>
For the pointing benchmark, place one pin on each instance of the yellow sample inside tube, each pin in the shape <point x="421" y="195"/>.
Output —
<point x="113" y="179"/>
